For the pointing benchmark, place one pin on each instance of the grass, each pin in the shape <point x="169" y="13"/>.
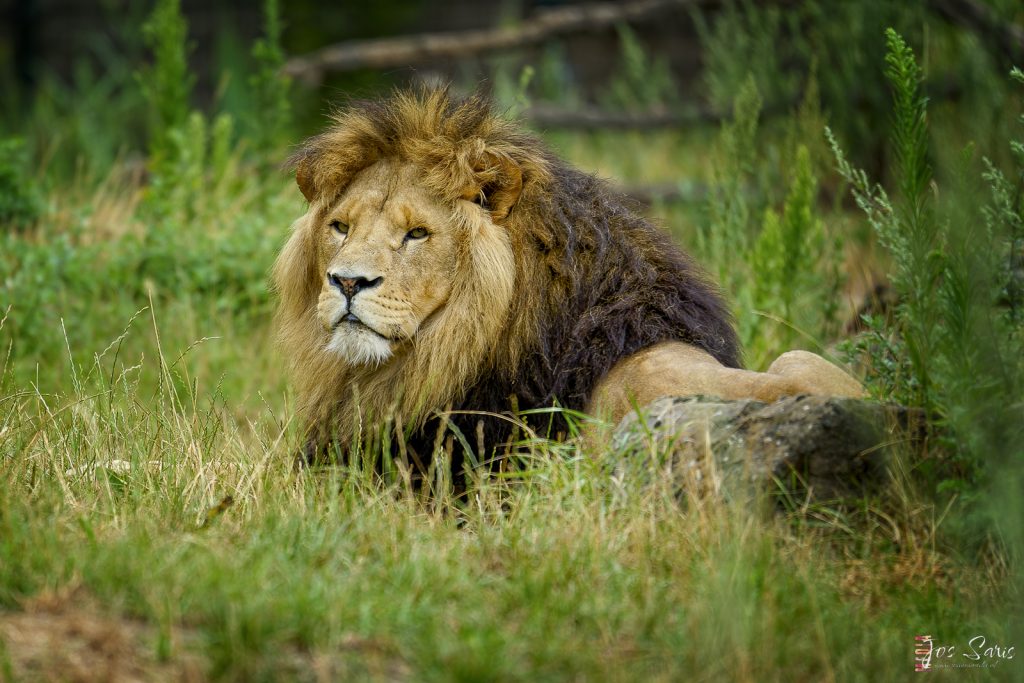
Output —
<point x="207" y="533"/>
<point x="152" y="524"/>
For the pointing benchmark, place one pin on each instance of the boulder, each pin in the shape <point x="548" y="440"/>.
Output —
<point x="819" y="447"/>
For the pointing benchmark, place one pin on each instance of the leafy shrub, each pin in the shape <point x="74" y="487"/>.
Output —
<point x="951" y="347"/>
<point x="272" y="110"/>
<point x="642" y="82"/>
<point x="20" y="200"/>
<point x="167" y="84"/>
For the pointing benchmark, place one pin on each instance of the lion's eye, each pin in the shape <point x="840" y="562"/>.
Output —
<point x="339" y="227"/>
<point x="416" y="234"/>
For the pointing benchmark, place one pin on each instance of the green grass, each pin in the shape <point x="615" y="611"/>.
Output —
<point x="564" y="572"/>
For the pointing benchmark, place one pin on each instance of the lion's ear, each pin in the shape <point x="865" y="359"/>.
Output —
<point x="498" y="184"/>
<point x="304" y="179"/>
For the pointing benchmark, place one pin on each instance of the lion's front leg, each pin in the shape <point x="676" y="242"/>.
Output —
<point x="678" y="369"/>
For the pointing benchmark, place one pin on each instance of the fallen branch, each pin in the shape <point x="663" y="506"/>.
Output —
<point x="386" y="53"/>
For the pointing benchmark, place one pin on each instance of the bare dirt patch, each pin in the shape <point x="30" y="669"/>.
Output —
<point x="65" y="638"/>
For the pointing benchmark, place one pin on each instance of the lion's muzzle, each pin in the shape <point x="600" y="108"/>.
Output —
<point x="350" y="285"/>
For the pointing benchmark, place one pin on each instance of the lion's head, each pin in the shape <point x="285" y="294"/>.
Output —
<point x="400" y="279"/>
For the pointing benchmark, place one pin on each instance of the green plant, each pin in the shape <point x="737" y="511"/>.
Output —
<point x="788" y="259"/>
<point x="21" y="202"/>
<point x="779" y="265"/>
<point x="167" y="84"/>
<point x="950" y="348"/>
<point x="1004" y="218"/>
<point x="745" y="41"/>
<point x="729" y="228"/>
<point x="271" y="119"/>
<point x="642" y="82"/>
<point x="906" y="227"/>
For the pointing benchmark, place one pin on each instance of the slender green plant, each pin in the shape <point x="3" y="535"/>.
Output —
<point x="912" y="236"/>
<point x="21" y="202"/>
<point x="906" y="226"/>
<point x="642" y="81"/>
<point x="953" y="346"/>
<point x="167" y="83"/>
<point x="271" y="88"/>
<point x="729" y="229"/>
<point x="787" y="252"/>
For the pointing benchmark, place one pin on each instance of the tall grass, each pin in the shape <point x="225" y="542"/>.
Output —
<point x="156" y="504"/>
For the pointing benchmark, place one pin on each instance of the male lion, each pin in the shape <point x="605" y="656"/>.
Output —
<point x="450" y="268"/>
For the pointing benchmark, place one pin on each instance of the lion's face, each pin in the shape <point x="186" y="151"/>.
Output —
<point x="406" y="278"/>
<point x="389" y="254"/>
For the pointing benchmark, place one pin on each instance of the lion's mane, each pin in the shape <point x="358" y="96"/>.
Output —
<point x="591" y="281"/>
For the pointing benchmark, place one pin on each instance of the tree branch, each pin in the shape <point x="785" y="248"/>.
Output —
<point x="385" y="53"/>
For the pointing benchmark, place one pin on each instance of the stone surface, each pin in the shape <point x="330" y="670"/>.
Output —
<point x="824" y="447"/>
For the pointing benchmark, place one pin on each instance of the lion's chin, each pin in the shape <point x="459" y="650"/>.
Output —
<point x="359" y="346"/>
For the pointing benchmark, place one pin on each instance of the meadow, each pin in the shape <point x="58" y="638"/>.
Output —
<point x="153" y="527"/>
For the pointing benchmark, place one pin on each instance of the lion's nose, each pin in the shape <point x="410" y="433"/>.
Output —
<point x="350" y="285"/>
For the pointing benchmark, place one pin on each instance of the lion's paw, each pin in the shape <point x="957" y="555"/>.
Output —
<point x="812" y="374"/>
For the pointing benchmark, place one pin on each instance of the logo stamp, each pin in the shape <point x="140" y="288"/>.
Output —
<point x="979" y="653"/>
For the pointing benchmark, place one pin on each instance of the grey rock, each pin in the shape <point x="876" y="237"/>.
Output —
<point x="820" y="447"/>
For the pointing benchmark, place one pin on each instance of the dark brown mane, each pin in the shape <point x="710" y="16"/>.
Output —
<point x="612" y="284"/>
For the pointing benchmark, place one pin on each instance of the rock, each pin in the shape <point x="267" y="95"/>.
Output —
<point x="824" y="447"/>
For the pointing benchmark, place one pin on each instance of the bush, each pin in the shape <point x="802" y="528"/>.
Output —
<point x="20" y="199"/>
<point x="953" y="346"/>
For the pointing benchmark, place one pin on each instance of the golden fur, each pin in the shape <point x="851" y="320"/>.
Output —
<point x="444" y="357"/>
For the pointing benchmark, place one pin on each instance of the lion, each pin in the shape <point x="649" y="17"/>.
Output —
<point x="450" y="268"/>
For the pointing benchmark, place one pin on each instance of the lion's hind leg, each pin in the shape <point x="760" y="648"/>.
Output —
<point x="679" y="369"/>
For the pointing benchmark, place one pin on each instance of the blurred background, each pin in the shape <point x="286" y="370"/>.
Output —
<point x="680" y="62"/>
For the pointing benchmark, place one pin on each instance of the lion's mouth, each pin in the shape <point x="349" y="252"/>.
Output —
<point x="355" y="321"/>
